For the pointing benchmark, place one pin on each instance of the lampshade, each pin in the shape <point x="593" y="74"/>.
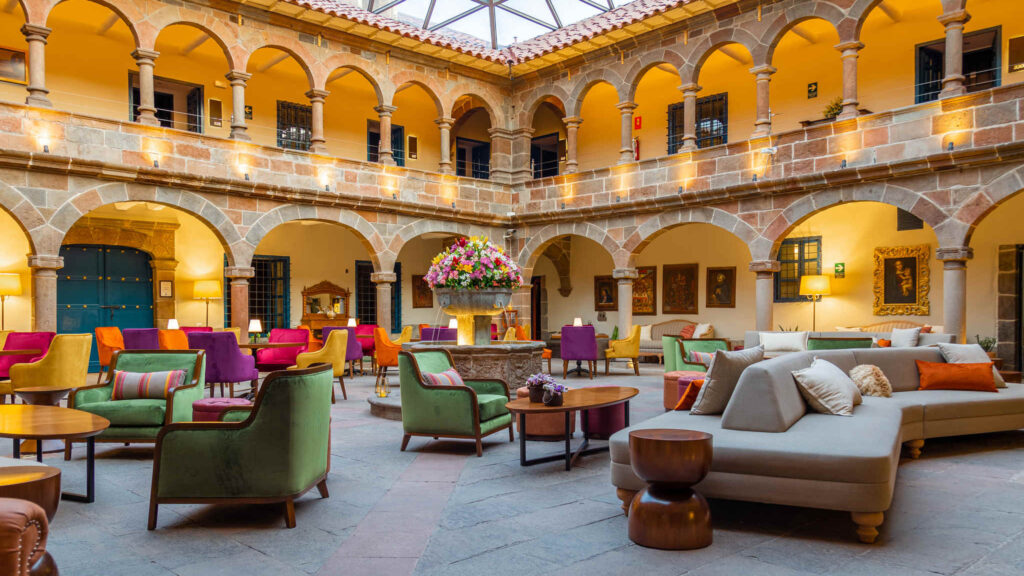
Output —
<point x="255" y="326"/>
<point x="172" y="324"/>
<point x="351" y="322"/>
<point x="206" y="289"/>
<point x="577" y="321"/>
<point x="453" y="323"/>
<point x="10" y="284"/>
<point x="815" y="285"/>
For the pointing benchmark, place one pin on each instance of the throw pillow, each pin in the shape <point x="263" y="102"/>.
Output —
<point x="704" y="331"/>
<point x="883" y="343"/>
<point x="871" y="381"/>
<point x="645" y="332"/>
<point x="136" y="385"/>
<point x="969" y="354"/>
<point x="926" y="329"/>
<point x="721" y="378"/>
<point x="905" y="338"/>
<point x="689" y="395"/>
<point x="782" y="342"/>
<point x="687" y="332"/>
<point x="826" y="388"/>
<point x="449" y="377"/>
<point x="704" y="358"/>
<point x="945" y="376"/>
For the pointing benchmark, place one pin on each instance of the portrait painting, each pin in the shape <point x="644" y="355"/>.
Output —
<point x="422" y="295"/>
<point x="645" y="291"/>
<point x="13" y="66"/>
<point x="901" y="281"/>
<point x="679" y="289"/>
<point x="606" y="296"/>
<point x="721" y="288"/>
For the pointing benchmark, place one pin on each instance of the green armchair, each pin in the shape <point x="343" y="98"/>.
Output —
<point x="705" y="345"/>
<point x="277" y="452"/>
<point x="471" y="411"/>
<point x="141" y="420"/>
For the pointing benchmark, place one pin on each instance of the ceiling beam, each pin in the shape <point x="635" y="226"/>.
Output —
<point x="526" y="16"/>
<point x="472" y="10"/>
<point x="666" y="68"/>
<point x="191" y="46"/>
<point x="551" y="7"/>
<point x="338" y="74"/>
<point x="9" y="6"/>
<point x="273" y="62"/>
<point x="430" y="12"/>
<point x="108" y="24"/>
<point x="803" y="34"/>
<point x="736" y="55"/>
<point x="890" y="11"/>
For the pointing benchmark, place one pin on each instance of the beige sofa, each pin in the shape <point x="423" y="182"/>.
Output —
<point x="768" y="446"/>
<point x="666" y="328"/>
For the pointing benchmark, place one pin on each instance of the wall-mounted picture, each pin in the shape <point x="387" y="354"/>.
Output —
<point x="422" y="295"/>
<point x="902" y="281"/>
<point x="645" y="291"/>
<point x="13" y="67"/>
<point x="166" y="289"/>
<point x="606" y="296"/>
<point x="721" y="288"/>
<point x="679" y="289"/>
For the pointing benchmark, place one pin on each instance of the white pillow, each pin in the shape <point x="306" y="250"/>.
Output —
<point x="703" y="331"/>
<point x="780" y="342"/>
<point x="826" y="388"/>
<point x="849" y="329"/>
<point x="645" y="332"/>
<point x="969" y="354"/>
<point x="905" y="337"/>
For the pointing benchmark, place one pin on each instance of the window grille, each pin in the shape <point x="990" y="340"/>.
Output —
<point x="269" y="293"/>
<point x="294" y="125"/>
<point x="797" y="257"/>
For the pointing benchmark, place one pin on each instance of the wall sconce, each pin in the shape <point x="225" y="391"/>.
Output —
<point x="618" y="198"/>
<point x="563" y="205"/>
<point x="46" y="148"/>
<point x="453" y="204"/>
<point x="843" y="163"/>
<point x="755" y="178"/>
<point x="246" y="176"/>
<point x="327" y="187"/>
<point x="394" y="196"/>
<point x="949" y="146"/>
<point x="172" y="324"/>
<point x="680" y="190"/>
<point x="156" y="163"/>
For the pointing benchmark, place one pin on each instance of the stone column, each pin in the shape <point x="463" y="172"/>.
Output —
<point x="953" y="81"/>
<point x="384" y="280"/>
<point x="689" y="116"/>
<point x="239" y="276"/>
<point x="36" y="36"/>
<point x="954" y="289"/>
<point x="763" y="75"/>
<point x="384" y="153"/>
<point x="625" y="277"/>
<point x="572" y="126"/>
<point x="445" y="126"/>
<point x="147" y="106"/>
<point x="764" y="290"/>
<point x="522" y="139"/>
<point x="626" y="149"/>
<point x="501" y="155"/>
<point x="238" y="129"/>
<point x="849" y="52"/>
<point x="44" y="291"/>
<point x="317" y="142"/>
<point x="164" y="308"/>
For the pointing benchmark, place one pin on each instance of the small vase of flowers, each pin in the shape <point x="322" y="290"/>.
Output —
<point x="553" y="394"/>
<point x="536" y="383"/>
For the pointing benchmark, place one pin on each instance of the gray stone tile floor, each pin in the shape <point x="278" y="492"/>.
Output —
<point x="437" y="509"/>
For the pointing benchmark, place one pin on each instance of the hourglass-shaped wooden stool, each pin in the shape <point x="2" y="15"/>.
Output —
<point x="668" y="514"/>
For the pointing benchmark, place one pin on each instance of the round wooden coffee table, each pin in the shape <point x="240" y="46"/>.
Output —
<point x="39" y="484"/>
<point x="19" y="421"/>
<point x="668" y="513"/>
<point x="579" y="399"/>
<point x="43" y="396"/>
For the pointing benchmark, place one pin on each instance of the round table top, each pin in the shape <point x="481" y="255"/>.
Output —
<point x="577" y="399"/>
<point x="11" y="475"/>
<point x="25" y="352"/>
<point x="48" y="422"/>
<point x="44" y="389"/>
<point x="669" y="435"/>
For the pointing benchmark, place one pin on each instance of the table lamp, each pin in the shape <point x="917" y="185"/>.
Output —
<point x="453" y="324"/>
<point x="207" y="290"/>
<point x="814" y="287"/>
<point x="172" y="324"/>
<point x="351" y="322"/>
<point x="255" y="327"/>
<point x="10" y="285"/>
<point x="577" y="321"/>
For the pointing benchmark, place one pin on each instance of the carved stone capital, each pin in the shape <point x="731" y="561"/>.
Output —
<point x="143" y="56"/>
<point x="315" y="95"/>
<point x="626" y="107"/>
<point x="45" y="262"/>
<point x="625" y="274"/>
<point x="956" y="17"/>
<point x="385" y="110"/>
<point x="849" y="48"/>
<point x="690" y="89"/>
<point x="445" y="123"/>
<point x="239" y="272"/>
<point x="383" y="277"/>
<point x="955" y="254"/>
<point x="771" y="266"/>
<point x="763" y="72"/>
<point x="35" y="32"/>
<point x="237" y="77"/>
<point x="572" y="121"/>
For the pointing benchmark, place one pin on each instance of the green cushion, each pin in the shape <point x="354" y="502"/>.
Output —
<point x="491" y="405"/>
<point x="129" y="412"/>
<point x="825" y="344"/>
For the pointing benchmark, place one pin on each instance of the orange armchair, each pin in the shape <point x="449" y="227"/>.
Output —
<point x="108" y="341"/>
<point x="172" y="339"/>
<point x="386" y="351"/>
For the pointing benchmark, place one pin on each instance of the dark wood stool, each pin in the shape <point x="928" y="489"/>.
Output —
<point x="39" y="484"/>
<point x="669" y="514"/>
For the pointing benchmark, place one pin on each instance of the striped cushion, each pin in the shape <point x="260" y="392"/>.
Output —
<point x="704" y="358"/>
<point x="135" y="385"/>
<point x="449" y="377"/>
<point x="687" y="331"/>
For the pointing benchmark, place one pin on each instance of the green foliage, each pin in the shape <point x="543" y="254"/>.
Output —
<point x="795" y="328"/>
<point x="987" y="343"/>
<point x="834" y="108"/>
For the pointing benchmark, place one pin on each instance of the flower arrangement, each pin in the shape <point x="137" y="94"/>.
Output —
<point x="536" y="385"/>
<point x="553" y="393"/>
<point x="473" y="263"/>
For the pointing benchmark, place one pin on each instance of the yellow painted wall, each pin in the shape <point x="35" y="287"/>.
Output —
<point x="205" y="65"/>
<point x="11" y="37"/>
<point x="346" y="111"/>
<point x="588" y="259"/>
<point x="846" y="237"/>
<point x="14" y="248"/>
<point x="721" y="73"/>
<point x="548" y="120"/>
<point x="473" y="125"/>
<point x="1002" y="226"/>
<point x="886" y="66"/>
<point x="417" y="112"/>
<point x="284" y="81"/>
<point x="800" y="62"/>
<point x="599" y="134"/>
<point x="656" y="91"/>
<point x="200" y="256"/>
<point x="415" y="259"/>
<point x="1009" y="14"/>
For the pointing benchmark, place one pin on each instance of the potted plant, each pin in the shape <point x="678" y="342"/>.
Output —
<point x="553" y="393"/>
<point x="535" y="384"/>
<point x="834" y="108"/>
<point x="988" y="344"/>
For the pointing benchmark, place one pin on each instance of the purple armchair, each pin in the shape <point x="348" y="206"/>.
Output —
<point x="225" y="363"/>
<point x="270" y="359"/>
<point x="579" y="343"/>
<point x="24" y="341"/>
<point x="141" y="338"/>
<point x="354" y="352"/>
<point x="439" y="334"/>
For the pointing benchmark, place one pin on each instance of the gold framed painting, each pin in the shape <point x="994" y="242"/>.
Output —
<point x="679" y="288"/>
<point x="902" y="281"/>
<point x="645" y="291"/>
<point x="13" y="65"/>
<point x="606" y="294"/>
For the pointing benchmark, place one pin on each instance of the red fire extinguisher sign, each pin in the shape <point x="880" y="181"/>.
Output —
<point x="638" y="122"/>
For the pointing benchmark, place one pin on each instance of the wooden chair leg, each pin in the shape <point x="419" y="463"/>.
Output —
<point x="67" y="449"/>
<point x="636" y="366"/>
<point x="351" y="368"/>
<point x="626" y="496"/>
<point x="405" y="441"/>
<point x="511" y="434"/>
<point x="332" y="393"/>
<point x="341" y="382"/>
<point x="867" y="525"/>
<point x="549" y="365"/>
<point x="606" y="362"/>
<point x="479" y="447"/>
<point x="231" y="389"/>
<point x="322" y="488"/>
<point x="289" y="513"/>
<point x="565" y="369"/>
<point x="592" y="364"/>
<point x="152" y="512"/>
<point x="221" y="389"/>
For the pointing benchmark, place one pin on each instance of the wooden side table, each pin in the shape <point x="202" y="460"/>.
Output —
<point x="39" y="484"/>
<point x="668" y="513"/>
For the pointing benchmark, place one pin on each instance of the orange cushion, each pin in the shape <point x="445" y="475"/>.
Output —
<point x="943" y="376"/>
<point x="687" y="331"/>
<point x="689" y="395"/>
<point x="884" y="343"/>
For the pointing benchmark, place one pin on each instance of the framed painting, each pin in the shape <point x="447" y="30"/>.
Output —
<point x="13" y="66"/>
<point x="679" y="289"/>
<point x="606" y="294"/>
<point x="721" y="287"/>
<point x="422" y="295"/>
<point x="166" y="288"/>
<point x="645" y="291"/>
<point x="902" y="281"/>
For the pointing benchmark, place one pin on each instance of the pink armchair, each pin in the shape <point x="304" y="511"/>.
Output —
<point x="269" y="359"/>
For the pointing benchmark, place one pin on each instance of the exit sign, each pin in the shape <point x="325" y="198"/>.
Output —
<point x="840" y="270"/>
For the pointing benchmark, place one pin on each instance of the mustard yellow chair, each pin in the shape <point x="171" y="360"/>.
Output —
<point x="333" y="353"/>
<point x="626" y="348"/>
<point x="3" y="337"/>
<point x="510" y="335"/>
<point x="65" y="365"/>
<point x="238" y="336"/>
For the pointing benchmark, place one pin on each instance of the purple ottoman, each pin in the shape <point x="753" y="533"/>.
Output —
<point x="601" y="423"/>
<point x="210" y="409"/>
<point x="675" y="385"/>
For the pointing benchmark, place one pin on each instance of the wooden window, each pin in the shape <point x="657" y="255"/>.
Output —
<point x="797" y="257"/>
<point x="294" y="125"/>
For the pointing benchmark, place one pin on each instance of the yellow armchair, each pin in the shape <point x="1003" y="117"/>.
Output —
<point x="625" y="348"/>
<point x="66" y="364"/>
<point x="405" y="336"/>
<point x="332" y="352"/>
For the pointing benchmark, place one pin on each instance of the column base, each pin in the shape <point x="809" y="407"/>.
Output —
<point x="625" y="157"/>
<point x="239" y="133"/>
<point x="386" y="160"/>
<point x="318" y="147"/>
<point x="39" y="99"/>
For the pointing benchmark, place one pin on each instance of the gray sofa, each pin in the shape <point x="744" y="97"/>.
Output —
<point x="769" y="447"/>
<point x="752" y="338"/>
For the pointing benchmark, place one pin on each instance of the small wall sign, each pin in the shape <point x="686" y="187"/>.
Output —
<point x="812" y="90"/>
<point x="1016" y="60"/>
<point x="840" y="270"/>
<point x="638" y="122"/>
<point x="166" y="289"/>
<point x="248" y="112"/>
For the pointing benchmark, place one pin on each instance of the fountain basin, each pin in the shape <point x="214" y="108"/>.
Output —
<point x="512" y="362"/>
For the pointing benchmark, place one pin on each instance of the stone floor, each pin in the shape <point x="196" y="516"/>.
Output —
<point x="437" y="509"/>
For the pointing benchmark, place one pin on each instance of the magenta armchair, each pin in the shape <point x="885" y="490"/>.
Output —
<point x="439" y="334"/>
<point x="579" y="343"/>
<point x="225" y="363"/>
<point x="269" y="359"/>
<point x="191" y="329"/>
<point x="24" y="341"/>
<point x="354" y="352"/>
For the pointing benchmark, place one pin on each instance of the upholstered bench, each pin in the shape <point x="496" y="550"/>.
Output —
<point x="675" y="384"/>
<point x="210" y="409"/>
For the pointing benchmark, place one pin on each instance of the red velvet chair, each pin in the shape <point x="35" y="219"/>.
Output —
<point x="270" y="359"/>
<point x="364" y="334"/>
<point x="23" y="341"/>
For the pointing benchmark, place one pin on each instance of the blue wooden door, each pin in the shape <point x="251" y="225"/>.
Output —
<point x="103" y="286"/>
